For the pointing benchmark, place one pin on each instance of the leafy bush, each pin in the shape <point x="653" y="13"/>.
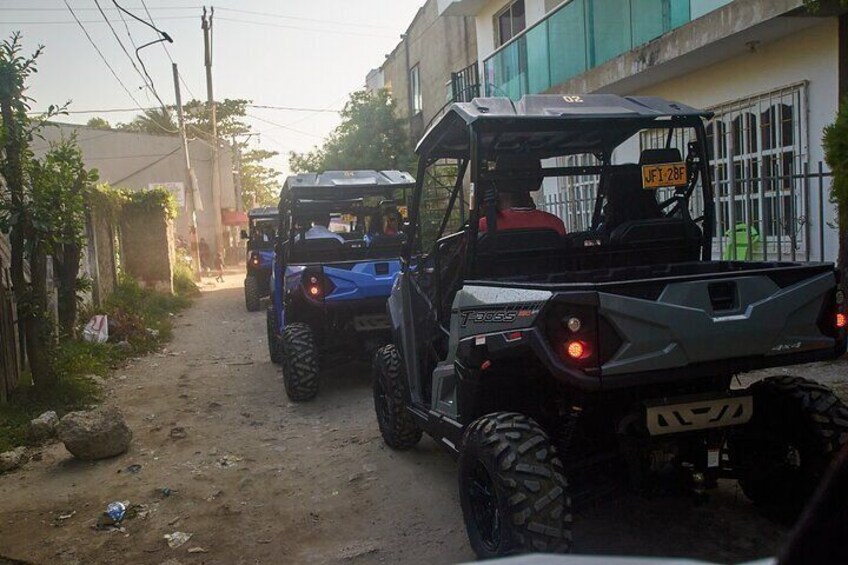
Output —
<point x="184" y="284"/>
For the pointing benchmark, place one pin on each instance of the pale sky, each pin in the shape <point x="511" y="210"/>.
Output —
<point x="278" y="53"/>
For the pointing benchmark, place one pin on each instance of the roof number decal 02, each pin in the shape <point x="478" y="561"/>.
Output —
<point x="573" y="99"/>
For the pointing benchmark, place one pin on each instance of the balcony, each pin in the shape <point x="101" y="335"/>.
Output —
<point x="581" y="35"/>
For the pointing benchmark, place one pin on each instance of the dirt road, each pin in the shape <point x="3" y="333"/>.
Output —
<point x="257" y="479"/>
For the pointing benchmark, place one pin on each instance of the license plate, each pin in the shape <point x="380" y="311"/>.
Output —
<point x="662" y="175"/>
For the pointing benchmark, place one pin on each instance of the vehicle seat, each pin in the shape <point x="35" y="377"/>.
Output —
<point x="659" y="240"/>
<point x="626" y="199"/>
<point x="386" y="245"/>
<point x="317" y="250"/>
<point x="504" y="253"/>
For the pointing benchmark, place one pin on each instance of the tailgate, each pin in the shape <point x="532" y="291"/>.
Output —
<point x="717" y="319"/>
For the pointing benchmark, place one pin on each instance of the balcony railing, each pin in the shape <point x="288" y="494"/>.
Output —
<point x="580" y="35"/>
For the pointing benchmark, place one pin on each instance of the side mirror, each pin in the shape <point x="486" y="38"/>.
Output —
<point x="244" y="234"/>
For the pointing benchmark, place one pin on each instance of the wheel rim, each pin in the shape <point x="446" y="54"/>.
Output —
<point x="484" y="506"/>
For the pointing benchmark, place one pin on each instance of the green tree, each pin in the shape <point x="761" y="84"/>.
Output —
<point x="98" y="122"/>
<point x="22" y="210"/>
<point x="835" y="142"/>
<point x="62" y="188"/>
<point x="260" y="185"/>
<point x="230" y="114"/>
<point x="371" y="136"/>
<point x="153" y="120"/>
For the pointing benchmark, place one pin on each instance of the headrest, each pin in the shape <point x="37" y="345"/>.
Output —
<point x="520" y="163"/>
<point x="655" y="156"/>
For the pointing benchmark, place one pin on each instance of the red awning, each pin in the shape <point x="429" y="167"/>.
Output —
<point x="233" y="217"/>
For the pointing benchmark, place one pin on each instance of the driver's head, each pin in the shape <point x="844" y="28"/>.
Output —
<point x="516" y="193"/>
<point x="321" y="220"/>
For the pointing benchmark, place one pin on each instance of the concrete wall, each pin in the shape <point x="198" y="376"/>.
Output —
<point x="147" y="247"/>
<point x="439" y="46"/>
<point x="137" y="160"/>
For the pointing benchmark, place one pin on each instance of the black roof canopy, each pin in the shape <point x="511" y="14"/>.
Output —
<point x="344" y="185"/>
<point x="263" y="212"/>
<point x="550" y="125"/>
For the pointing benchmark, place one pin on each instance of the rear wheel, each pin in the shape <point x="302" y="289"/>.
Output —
<point x="512" y="488"/>
<point x="275" y="345"/>
<point x="798" y="426"/>
<point x="251" y="294"/>
<point x="397" y="426"/>
<point x="300" y="362"/>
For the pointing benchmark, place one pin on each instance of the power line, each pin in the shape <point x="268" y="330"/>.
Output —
<point x="123" y="48"/>
<point x="270" y="24"/>
<point x="93" y="9"/>
<point x="259" y="106"/>
<point x="275" y="124"/>
<point x="99" y="52"/>
<point x="167" y="52"/>
<point x="315" y="20"/>
<point x="63" y="22"/>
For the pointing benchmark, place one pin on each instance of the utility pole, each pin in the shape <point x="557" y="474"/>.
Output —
<point x="192" y="195"/>
<point x="206" y="25"/>
<point x="237" y="176"/>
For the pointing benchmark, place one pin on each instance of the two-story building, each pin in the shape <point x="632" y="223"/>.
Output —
<point x="772" y="71"/>
<point x="434" y="64"/>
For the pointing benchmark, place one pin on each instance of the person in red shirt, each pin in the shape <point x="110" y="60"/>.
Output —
<point x="516" y="209"/>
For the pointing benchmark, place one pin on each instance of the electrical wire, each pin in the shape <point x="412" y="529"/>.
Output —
<point x="123" y="48"/>
<point x="295" y="109"/>
<point x="315" y="20"/>
<point x="269" y="122"/>
<point x="64" y="22"/>
<point x="167" y="52"/>
<point x="102" y="57"/>
<point x="313" y="30"/>
<point x="164" y="35"/>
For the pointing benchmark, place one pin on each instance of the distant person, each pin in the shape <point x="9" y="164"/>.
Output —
<point x="320" y="229"/>
<point x="205" y="254"/>
<point x="390" y="224"/>
<point x="515" y="207"/>
<point x="219" y="265"/>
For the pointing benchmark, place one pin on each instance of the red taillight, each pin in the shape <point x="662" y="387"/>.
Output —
<point x="578" y="350"/>
<point x="841" y="320"/>
<point x="254" y="259"/>
<point x="317" y="286"/>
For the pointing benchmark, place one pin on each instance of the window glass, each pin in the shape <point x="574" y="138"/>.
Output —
<point x="509" y="22"/>
<point x="415" y="87"/>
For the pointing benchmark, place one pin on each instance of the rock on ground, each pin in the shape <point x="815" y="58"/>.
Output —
<point x="11" y="460"/>
<point x="95" y="434"/>
<point x="43" y="427"/>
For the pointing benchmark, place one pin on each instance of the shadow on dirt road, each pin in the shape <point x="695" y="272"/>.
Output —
<point x="257" y="479"/>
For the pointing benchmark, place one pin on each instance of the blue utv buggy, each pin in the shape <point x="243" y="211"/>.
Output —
<point x="261" y="236"/>
<point x="335" y="262"/>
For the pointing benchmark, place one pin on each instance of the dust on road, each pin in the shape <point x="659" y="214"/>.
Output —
<point x="257" y="480"/>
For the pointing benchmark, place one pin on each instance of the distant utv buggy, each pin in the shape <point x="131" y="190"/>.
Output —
<point x="560" y="366"/>
<point x="260" y="236"/>
<point x="336" y="259"/>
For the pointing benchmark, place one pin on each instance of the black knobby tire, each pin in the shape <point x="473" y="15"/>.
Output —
<point x="397" y="425"/>
<point x="275" y="345"/>
<point x="300" y="362"/>
<point x="512" y="488"/>
<point x="781" y="455"/>
<point x="251" y="294"/>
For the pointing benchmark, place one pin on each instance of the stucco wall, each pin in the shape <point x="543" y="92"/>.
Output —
<point x="147" y="247"/>
<point x="136" y="160"/>
<point x="439" y="46"/>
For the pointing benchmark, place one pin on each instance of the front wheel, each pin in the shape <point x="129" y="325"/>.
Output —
<point x="275" y="345"/>
<point x="781" y="455"/>
<point x="397" y="426"/>
<point x="512" y="488"/>
<point x="251" y="294"/>
<point x="300" y="362"/>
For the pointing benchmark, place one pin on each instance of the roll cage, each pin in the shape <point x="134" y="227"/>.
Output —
<point x="358" y="194"/>
<point x="548" y="126"/>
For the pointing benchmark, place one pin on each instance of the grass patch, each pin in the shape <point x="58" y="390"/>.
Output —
<point x="140" y="321"/>
<point x="184" y="284"/>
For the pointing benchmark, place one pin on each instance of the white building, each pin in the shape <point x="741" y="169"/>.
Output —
<point x="768" y="69"/>
<point x="140" y="161"/>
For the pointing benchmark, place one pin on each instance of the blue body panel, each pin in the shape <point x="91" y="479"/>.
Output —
<point x="266" y="259"/>
<point x="351" y="283"/>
